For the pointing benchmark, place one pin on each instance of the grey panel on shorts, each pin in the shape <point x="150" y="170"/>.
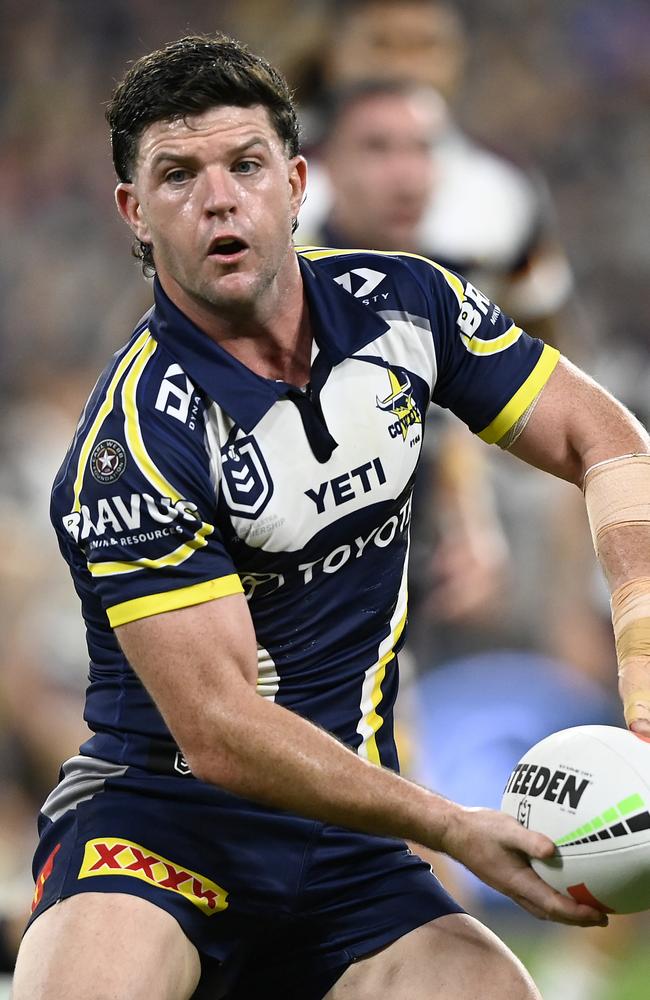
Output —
<point x="83" y="778"/>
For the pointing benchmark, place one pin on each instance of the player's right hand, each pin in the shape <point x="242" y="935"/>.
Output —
<point x="497" y="849"/>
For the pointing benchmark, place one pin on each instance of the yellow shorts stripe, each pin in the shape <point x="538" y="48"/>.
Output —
<point x="172" y="600"/>
<point x="523" y="397"/>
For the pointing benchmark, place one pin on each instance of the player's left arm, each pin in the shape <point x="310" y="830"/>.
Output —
<point x="579" y="432"/>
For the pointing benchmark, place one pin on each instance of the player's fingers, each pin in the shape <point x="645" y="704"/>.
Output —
<point x="528" y="842"/>
<point x="552" y="904"/>
<point x="539" y="846"/>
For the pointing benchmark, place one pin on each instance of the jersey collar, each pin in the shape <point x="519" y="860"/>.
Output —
<point x="341" y="326"/>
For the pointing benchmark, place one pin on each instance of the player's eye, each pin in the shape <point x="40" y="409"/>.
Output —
<point x="247" y="167"/>
<point x="177" y="176"/>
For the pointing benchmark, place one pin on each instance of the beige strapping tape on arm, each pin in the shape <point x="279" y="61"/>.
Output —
<point x="617" y="493"/>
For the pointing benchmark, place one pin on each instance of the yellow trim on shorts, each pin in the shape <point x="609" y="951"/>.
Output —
<point x="173" y="600"/>
<point x="523" y="397"/>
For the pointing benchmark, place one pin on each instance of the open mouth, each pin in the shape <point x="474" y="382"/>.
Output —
<point x="227" y="247"/>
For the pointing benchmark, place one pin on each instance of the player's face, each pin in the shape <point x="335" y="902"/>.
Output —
<point x="382" y="169"/>
<point x="403" y="41"/>
<point x="215" y="195"/>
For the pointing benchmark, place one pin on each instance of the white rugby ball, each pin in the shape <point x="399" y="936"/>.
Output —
<point x="588" y="789"/>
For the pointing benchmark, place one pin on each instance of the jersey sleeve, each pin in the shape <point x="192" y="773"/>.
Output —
<point x="140" y="502"/>
<point x="489" y="369"/>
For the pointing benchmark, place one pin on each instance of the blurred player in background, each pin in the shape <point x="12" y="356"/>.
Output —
<point x="486" y="217"/>
<point x="378" y="146"/>
<point x="262" y="416"/>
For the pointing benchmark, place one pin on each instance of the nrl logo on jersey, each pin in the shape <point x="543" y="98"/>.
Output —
<point x="246" y="483"/>
<point x="401" y="404"/>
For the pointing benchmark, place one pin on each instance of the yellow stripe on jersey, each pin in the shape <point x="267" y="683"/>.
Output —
<point x="373" y="719"/>
<point x="484" y="347"/>
<point x="174" y="558"/>
<point x="132" y="429"/>
<point x="454" y="283"/>
<point x="173" y="600"/>
<point x="524" y="396"/>
<point x="150" y="471"/>
<point x="319" y="253"/>
<point x="102" y="414"/>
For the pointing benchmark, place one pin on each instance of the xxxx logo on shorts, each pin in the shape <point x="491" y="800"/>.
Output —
<point x="114" y="856"/>
<point x="43" y="876"/>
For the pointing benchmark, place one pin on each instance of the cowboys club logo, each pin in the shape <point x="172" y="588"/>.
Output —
<point x="246" y="482"/>
<point x="400" y="402"/>
<point x="108" y="461"/>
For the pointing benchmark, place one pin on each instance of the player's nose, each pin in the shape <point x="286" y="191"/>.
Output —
<point x="219" y="191"/>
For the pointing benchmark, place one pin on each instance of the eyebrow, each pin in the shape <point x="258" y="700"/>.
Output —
<point x="165" y="155"/>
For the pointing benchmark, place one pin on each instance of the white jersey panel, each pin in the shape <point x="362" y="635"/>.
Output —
<point x="302" y="496"/>
<point x="408" y="344"/>
<point x="268" y="681"/>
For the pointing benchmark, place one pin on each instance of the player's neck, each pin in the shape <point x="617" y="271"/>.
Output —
<point x="273" y="339"/>
<point x="279" y="348"/>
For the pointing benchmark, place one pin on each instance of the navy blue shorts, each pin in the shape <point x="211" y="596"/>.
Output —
<point x="277" y="905"/>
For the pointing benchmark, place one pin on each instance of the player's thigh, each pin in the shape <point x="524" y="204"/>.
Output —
<point x="451" y="958"/>
<point x="105" y="946"/>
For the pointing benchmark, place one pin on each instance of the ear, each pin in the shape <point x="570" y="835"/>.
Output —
<point x="297" y="182"/>
<point x="129" y="207"/>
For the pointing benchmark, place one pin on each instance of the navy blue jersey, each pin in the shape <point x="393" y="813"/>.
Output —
<point x="190" y="478"/>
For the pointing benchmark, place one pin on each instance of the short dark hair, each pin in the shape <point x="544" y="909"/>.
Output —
<point x="188" y="77"/>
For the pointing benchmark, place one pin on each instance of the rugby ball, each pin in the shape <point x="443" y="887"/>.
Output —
<point x="588" y="789"/>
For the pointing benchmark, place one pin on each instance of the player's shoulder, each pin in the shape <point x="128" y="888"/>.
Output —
<point x="376" y="276"/>
<point x="142" y="407"/>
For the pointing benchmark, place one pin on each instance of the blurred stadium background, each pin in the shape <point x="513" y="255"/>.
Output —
<point x="559" y="87"/>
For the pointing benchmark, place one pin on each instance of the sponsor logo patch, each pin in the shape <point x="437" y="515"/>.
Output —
<point x="175" y="398"/>
<point x="107" y="461"/>
<point x="43" y="876"/>
<point x="117" y="515"/>
<point x="115" y="856"/>
<point x="361" y="281"/>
